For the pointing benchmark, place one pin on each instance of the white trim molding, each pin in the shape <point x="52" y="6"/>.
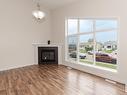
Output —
<point x="125" y="87"/>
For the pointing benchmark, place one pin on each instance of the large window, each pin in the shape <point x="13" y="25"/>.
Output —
<point x="92" y="41"/>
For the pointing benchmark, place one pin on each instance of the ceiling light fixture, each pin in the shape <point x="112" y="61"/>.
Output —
<point x="38" y="14"/>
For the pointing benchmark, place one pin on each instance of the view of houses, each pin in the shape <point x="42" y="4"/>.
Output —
<point x="105" y="53"/>
<point x="95" y="42"/>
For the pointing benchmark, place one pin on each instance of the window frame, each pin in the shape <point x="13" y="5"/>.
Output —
<point x="94" y="31"/>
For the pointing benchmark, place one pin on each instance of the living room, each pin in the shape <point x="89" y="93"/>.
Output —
<point x="80" y="54"/>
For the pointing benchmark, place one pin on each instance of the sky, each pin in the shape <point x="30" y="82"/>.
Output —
<point x="87" y="26"/>
<point x="100" y="36"/>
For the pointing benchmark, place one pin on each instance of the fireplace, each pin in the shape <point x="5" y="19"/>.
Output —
<point x="47" y="55"/>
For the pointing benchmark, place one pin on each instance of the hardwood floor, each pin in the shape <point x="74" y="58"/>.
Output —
<point x="54" y="80"/>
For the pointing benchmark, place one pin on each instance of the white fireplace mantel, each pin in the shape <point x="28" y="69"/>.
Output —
<point x="36" y="45"/>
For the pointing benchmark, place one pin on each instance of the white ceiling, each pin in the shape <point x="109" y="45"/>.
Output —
<point x="53" y="4"/>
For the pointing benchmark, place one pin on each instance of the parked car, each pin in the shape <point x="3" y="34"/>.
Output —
<point x="92" y="52"/>
<point x="105" y="58"/>
<point x="82" y="56"/>
<point x="74" y="55"/>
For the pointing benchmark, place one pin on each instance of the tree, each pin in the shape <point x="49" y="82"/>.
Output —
<point x="88" y="48"/>
<point x="91" y="40"/>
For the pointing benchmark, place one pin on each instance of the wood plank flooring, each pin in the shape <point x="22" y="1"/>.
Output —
<point x="54" y="80"/>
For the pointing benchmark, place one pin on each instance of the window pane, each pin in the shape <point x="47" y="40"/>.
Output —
<point x="72" y="26"/>
<point x="86" y="25"/>
<point x="106" y="49"/>
<point x="106" y="24"/>
<point x="86" y="49"/>
<point x="72" y="48"/>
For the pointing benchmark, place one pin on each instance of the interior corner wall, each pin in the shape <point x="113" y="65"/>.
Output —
<point x="95" y="9"/>
<point x="18" y="30"/>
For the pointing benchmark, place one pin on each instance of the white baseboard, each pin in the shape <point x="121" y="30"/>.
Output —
<point x="110" y="81"/>
<point x="14" y="67"/>
<point x="126" y="88"/>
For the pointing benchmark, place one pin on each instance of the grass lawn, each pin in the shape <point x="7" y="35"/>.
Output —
<point x="82" y="51"/>
<point x="108" y="51"/>
<point x="102" y="64"/>
<point x="86" y="61"/>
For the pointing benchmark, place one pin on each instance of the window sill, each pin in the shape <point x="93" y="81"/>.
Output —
<point x="93" y="66"/>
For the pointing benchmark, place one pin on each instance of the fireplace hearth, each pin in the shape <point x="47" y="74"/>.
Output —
<point x="47" y="55"/>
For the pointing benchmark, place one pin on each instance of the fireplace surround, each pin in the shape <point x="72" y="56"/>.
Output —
<point x="47" y="55"/>
<point x="37" y="45"/>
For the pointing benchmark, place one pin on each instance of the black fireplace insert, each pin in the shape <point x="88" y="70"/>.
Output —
<point x="47" y="55"/>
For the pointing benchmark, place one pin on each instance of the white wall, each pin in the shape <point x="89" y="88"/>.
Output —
<point x="18" y="31"/>
<point x="95" y="9"/>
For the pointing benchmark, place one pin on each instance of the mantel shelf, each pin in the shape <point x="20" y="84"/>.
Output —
<point x="45" y="44"/>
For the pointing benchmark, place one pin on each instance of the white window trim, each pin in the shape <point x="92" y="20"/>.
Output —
<point x="85" y="33"/>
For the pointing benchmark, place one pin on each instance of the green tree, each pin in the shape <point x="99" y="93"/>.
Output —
<point x="88" y="48"/>
<point x="91" y="40"/>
